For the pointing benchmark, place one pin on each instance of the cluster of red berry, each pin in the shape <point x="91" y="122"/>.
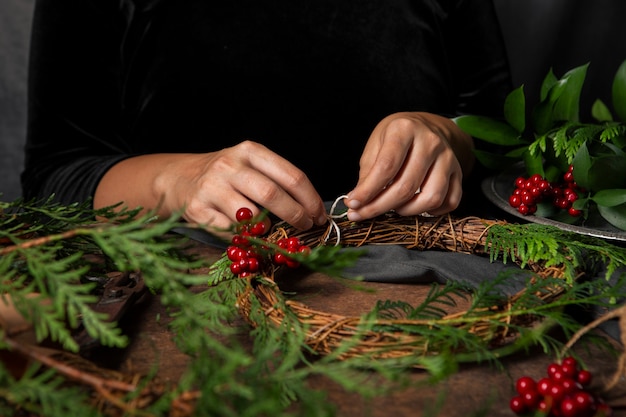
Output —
<point x="248" y="259"/>
<point x="535" y="189"/>
<point x="561" y="394"/>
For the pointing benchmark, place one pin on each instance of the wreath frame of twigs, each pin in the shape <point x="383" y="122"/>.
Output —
<point x="326" y="332"/>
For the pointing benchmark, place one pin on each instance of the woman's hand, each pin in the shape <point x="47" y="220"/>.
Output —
<point x="212" y="186"/>
<point x="413" y="163"/>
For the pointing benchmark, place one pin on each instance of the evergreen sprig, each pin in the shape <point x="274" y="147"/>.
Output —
<point x="552" y="246"/>
<point x="41" y="392"/>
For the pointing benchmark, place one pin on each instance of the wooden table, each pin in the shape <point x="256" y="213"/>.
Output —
<point x="475" y="388"/>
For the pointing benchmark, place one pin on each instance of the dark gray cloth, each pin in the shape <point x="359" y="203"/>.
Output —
<point x="395" y="264"/>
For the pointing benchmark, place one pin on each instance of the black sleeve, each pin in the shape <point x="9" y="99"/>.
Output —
<point x="73" y="133"/>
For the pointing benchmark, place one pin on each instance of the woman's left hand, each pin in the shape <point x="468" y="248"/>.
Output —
<point x="413" y="163"/>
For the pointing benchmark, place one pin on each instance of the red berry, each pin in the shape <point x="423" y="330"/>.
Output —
<point x="253" y="265"/>
<point x="574" y="212"/>
<point x="570" y="386"/>
<point x="293" y="243"/>
<point x="517" y="405"/>
<point x="258" y="229"/>
<point x="584" y="377"/>
<point x="552" y="368"/>
<point x="239" y="240"/>
<point x="543" y="407"/>
<point x="243" y="214"/>
<point x="544" y="185"/>
<point x="568" y="176"/>
<point x="562" y="203"/>
<point x="280" y="258"/>
<point x="520" y="182"/>
<point x="525" y="384"/>
<point x="536" y="192"/>
<point x="292" y="263"/>
<point x="531" y="399"/>
<point x="523" y="209"/>
<point x="235" y="268"/>
<point x="568" y="408"/>
<point x="543" y="386"/>
<point x="557" y="376"/>
<point x="304" y="249"/>
<point x="528" y="199"/>
<point x="569" y="370"/>
<point x="585" y="402"/>
<point x="556" y="192"/>
<point x="572" y="196"/>
<point x="535" y="178"/>
<point x="515" y="201"/>
<point x="556" y="392"/>
<point x="235" y="253"/>
<point x="570" y="360"/>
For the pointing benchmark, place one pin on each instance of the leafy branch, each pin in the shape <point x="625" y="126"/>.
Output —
<point x="551" y="138"/>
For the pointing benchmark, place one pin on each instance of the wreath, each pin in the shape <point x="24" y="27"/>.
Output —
<point x="404" y="334"/>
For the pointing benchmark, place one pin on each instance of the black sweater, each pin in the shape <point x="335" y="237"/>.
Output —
<point x="307" y="78"/>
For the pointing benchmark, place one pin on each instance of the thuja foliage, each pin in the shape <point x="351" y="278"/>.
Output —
<point x="553" y="247"/>
<point x="44" y="253"/>
<point x="48" y="250"/>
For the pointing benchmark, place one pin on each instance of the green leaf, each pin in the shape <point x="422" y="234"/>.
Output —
<point x="489" y="130"/>
<point x="542" y="117"/>
<point x="495" y="161"/>
<point x="517" y="153"/>
<point x="560" y="99"/>
<point x="619" y="92"/>
<point x="542" y="112"/>
<point x="566" y="107"/>
<point x="615" y="215"/>
<point x="601" y="112"/>
<point x="515" y="109"/>
<point x="582" y="164"/>
<point x="533" y="163"/>
<point x="610" y="198"/>
<point x="607" y="172"/>
<point x="552" y="173"/>
<point x="547" y="84"/>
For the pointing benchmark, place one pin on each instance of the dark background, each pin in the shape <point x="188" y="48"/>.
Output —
<point x="540" y="34"/>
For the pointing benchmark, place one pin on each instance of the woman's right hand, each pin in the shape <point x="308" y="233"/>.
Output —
<point x="212" y="186"/>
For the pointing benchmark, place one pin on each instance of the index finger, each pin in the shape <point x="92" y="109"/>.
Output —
<point x="379" y="166"/>
<point x="286" y="191"/>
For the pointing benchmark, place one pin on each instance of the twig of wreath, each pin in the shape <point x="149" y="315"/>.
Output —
<point x="393" y="338"/>
<point x="620" y="314"/>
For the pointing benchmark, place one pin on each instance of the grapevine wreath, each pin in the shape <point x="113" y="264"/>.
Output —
<point x="258" y="259"/>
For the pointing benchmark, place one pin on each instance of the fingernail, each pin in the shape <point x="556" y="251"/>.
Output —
<point x="308" y="225"/>
<point x="354" y="216"/>
<point x="321" y="220"/>
<point x="353" y="204"/>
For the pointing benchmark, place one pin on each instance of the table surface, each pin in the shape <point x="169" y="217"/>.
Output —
<point x="473" y="389"/>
